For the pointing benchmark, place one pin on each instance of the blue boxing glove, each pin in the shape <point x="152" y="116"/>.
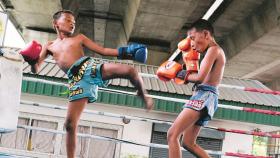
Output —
<point x="137" y="52"/>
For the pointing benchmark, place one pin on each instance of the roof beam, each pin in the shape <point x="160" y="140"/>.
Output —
<point x="263" y="69"/>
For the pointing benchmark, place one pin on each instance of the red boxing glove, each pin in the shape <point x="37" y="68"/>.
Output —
<point x="168" y="70"/>
<point x="32" y="52"/>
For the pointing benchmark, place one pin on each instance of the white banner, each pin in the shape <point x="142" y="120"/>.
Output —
<point x="3" y="25"/>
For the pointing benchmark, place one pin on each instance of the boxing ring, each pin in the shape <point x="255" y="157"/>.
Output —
<point x="12" y="113"/>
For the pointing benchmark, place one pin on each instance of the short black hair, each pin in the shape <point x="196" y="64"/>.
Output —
<point x="202" y="24"/>
<point x="58" y="14"/>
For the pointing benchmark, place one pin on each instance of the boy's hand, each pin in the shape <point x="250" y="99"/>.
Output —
<point x="31" y="52"/>
<point x="182" y="77"/>
<point x="137" y="52"/>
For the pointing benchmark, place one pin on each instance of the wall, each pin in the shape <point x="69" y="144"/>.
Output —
<point x="136" y="131"/>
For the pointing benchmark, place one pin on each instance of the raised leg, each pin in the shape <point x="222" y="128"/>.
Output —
<point x="110" y="71"/>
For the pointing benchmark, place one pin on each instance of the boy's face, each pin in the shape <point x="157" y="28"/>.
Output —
<point x="65" y="23"/>
<point x="199" y="39"/>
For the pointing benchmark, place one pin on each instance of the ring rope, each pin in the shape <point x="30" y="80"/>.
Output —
<point x="248" y="89"/>
<point x="258" y="90"/>
<point x="9" y="56"/>
<point x="135" y="143"/>
<point x="95" y="112"/>
<point x="252" y="110"/>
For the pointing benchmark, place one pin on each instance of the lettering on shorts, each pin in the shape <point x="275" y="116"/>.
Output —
<point x="81" y="72"/>
<point x="79" y="76"/>
<point x="196" y="104"/>
<point x="76" y="92"/>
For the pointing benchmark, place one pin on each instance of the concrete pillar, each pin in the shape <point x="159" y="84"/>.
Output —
<point x="86" y="27"/>
<point x="84" y="11"/>
<point x="10" y="90"/>
<point x="113" y="30"/>
<point x="129" y="18"/>
<point x="85" y="22"/>
<point x="118" y="31"/>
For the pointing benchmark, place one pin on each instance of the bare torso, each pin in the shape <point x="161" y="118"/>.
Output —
<point x="66" y="51"/>
<point x="216" y="73"/>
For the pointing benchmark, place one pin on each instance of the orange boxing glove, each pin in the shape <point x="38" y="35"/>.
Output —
<point x="168" y="70"/>
<point x="191" y="59"/>
<point x="185" y="44"/>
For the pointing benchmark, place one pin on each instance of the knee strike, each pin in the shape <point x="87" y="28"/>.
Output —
<point x="132" y="72"/>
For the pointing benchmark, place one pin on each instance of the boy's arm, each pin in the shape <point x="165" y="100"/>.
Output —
<point x="205" y="66"/>
<point x="137" y="52"/>
<point x="43" y="55"/>
<point x="99" y="49"/>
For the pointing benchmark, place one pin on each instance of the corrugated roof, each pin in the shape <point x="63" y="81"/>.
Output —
<point x="52" y="70"/>
<point x="153" y="84"/>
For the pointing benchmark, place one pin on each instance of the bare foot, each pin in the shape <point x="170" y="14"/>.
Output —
<point x="149" y="103"/>
<point x="148" y="100"/>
